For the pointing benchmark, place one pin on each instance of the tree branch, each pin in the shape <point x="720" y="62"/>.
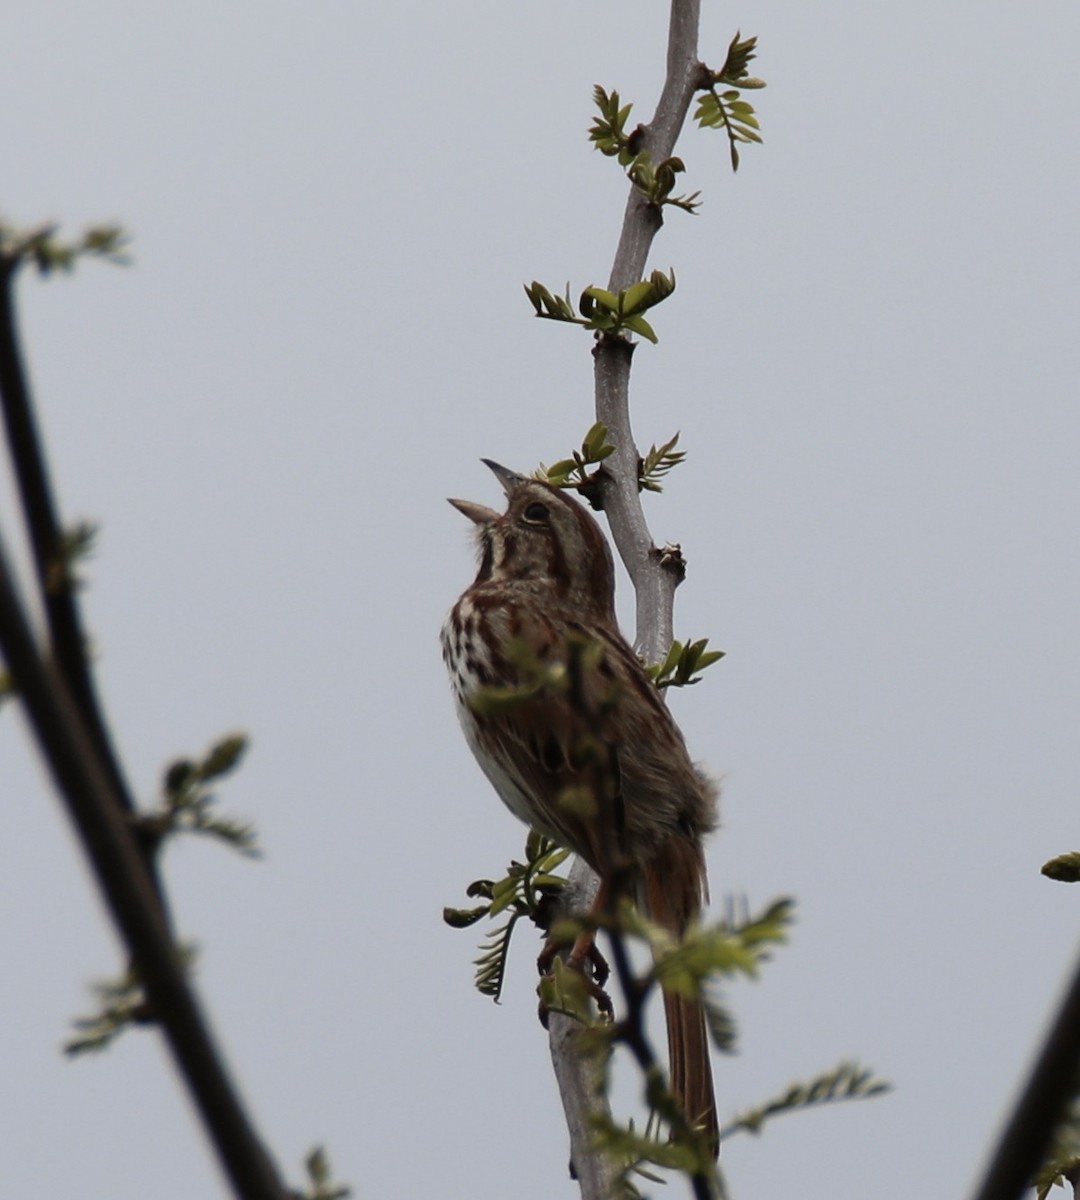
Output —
<point x="596" y="1173"/>
<point x="59" y="699"/>
<point x="44" y="531"/>
<point x="1049" y="1089"/>
<point x="654" y="583"/>
<point x="122" y="876"/>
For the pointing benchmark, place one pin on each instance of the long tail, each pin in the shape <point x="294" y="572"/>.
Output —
<point x="673" y="886"/>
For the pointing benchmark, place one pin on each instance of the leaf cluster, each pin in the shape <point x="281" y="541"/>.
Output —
<point x="608" y="131"/>
<point x="572" y="472"/>
<point x="848" y="1081"/>
<point x="122" y="1004"/>
<point x="640" y="1153"/>
<point x="317" y="1165"/>
<point x="726" y="948"/>
<point x="187" y="800"/>
<point x="657" y="463"/>
<point x="691" y="965"/>
<point x="727" y="109"/>
<point x="77" y="545"/>
<point x="529" y="889"/>
<point x="610" y="314"/>
<point x="657" y="182"/>
<point x="683" y="663"/>
<point x="47" y="252"/>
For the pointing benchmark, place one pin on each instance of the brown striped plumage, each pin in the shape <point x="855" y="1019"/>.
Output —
<point x="543" y="594"/>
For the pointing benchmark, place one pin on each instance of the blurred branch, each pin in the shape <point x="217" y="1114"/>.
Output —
<point x="1043" y="1102"/>
<point x="47" y="540"/>
<point x="58" y="696"/>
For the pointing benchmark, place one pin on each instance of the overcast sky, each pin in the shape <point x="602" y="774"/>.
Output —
<point x="872" y="355"/>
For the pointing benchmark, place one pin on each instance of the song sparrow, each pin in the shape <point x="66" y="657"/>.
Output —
<point x="541" y="610"/>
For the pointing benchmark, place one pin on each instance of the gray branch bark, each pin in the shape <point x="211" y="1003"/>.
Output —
<point x="654" y="581"/>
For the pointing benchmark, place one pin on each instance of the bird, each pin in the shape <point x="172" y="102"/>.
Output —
<point x="586" y="750"/>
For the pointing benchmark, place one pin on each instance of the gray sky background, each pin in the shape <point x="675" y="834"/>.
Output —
<point x="872" y="356"/>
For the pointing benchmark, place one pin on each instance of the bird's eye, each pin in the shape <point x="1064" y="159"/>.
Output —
<point x="536" y="513"/>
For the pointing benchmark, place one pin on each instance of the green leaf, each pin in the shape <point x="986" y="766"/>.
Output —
<point x="223" y="757"/>
<point x="524" y="891"/>
<point x="739" y="55"/>
<point x="1065" y="868"/>
<point x="607" y="300"/>
<point x="683" y="663"/>
<point x="594" y="446"/>
<point x="728" y="109"/>
<point x="638" y="324"/>
<point x="462" y="918"/>
<point x="848" y="1081"/>
<point x="317" y="1165"/>
<point x="636" y="297"/>
<point x="187" y="803"/>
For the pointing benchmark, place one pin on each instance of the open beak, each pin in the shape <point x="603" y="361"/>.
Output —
<point x="509" y="479"/>
<point x="480" y="514"/>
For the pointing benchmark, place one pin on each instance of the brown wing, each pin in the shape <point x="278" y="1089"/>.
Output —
<point x="597" y="752"/>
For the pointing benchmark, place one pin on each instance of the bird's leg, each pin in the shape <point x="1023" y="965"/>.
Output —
<point x="584" y="957"/>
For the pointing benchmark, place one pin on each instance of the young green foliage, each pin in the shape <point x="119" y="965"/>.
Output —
<point x="848" y="1081"/>
<point x="608" y="130"/>
<point x="1065" y="868"/>
<point x="1062" y="1162"/>
<point x="528" y="889"/>
<point x="657" y="182"/>
<point x="654" y="181"/>
<point x="705" y="952"/>
<point x="49" y="253"/>
<point x="1057" y="1172"/>
<point x="682" y="664"/>
<point x="78" y="545"/>
<point x="571" y="472"/>
<point x="320" y="1177"/>
<point x="727" y="109"/>
<point x="689" y="965"/>
<point x="640" y="1152"/>
<point x="122" y="1005"/>
<point x="187" y="800"/>
<point x="603" y="312"/>
<point x="657" y="463"/>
